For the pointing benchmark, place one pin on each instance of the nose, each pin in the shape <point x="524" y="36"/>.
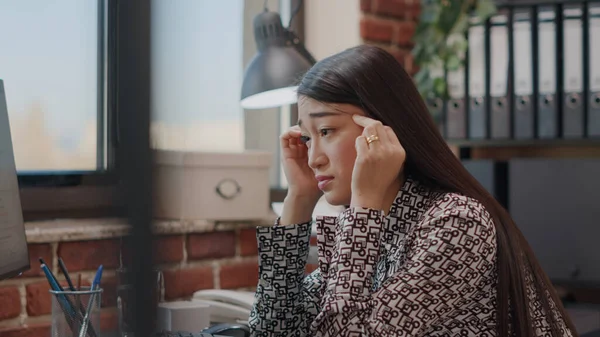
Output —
<point x="316" y="157"/>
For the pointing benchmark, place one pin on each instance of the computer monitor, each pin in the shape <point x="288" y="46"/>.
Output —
<point x="14" y="256"/>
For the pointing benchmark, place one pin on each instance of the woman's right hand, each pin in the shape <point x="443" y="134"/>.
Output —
<point x="302" y="183"/>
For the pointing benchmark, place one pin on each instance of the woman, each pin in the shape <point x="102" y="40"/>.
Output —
<point x="422" y="248"/>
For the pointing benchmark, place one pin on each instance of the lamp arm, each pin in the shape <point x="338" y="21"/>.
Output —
<point x="294" y="12"/>
<point x="299" y="46"/>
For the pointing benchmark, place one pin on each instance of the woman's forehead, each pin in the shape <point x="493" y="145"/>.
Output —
<point x="310" y="108"/>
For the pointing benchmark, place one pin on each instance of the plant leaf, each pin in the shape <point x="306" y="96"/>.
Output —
<point x="439" y="86"/>
<point x="453" y="62"/>
<point x="429" y="14"/>
<point x="485" y="8"/>
<point x="440" y="43"/>
<point x="450" y="12"/>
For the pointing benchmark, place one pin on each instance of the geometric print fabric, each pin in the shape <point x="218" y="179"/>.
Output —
<point x="428" y="268"/>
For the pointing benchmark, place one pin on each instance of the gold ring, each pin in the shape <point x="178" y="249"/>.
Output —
<point x="371" y="139"/>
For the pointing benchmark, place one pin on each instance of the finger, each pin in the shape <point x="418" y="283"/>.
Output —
<point x="363" y="120"/>
<point x="294" y="142"/>
<point x="374" y="136"/>
<point x="361" y="146"/>
<point x="291" y="133"/>
<point x="290" y="139"/>
<point x="392" y="137"/>
<point x="387" y="134"/>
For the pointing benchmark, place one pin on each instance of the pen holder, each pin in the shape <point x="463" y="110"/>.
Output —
<point x="76" y="313"/>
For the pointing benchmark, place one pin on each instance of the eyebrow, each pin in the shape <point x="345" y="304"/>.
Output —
<point x="320" y="114"/>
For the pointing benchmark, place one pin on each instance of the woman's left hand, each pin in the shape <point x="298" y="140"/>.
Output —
<point x="379" y="160"/>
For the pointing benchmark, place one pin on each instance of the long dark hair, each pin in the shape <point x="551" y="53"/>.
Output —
<point x="368" y="77"/>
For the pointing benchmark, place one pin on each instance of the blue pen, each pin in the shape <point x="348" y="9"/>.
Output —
<point x="97" y="278"/>
<point x="64" y="303"/>
<point x="95" y="285"/>
<point x="56" y="287"/>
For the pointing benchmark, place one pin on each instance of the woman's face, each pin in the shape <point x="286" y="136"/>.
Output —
<point x="329" y="132"/>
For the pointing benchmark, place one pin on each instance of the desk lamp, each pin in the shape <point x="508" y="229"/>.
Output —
<point x="269" y="79"/>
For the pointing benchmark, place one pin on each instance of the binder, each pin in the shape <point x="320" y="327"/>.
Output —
<point x="547" y="113"/>
<point x="572" y="116"/>
<point x="456" y="112"/>
<point x="594" y="70"/>
<point x="477" y="118"/>
<point x="523" y="75"/>
<point x="499" y="108"/>
<point x="436" y="108"/>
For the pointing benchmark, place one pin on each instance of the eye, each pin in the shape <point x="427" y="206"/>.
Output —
<point x="324" y="132"/>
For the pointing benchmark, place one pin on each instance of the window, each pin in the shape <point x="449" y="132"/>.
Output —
<point x="197" y="72"/>
<point x="195" y="93"/>
<point x="59" y="70"/>
<point x="53" y="72"/>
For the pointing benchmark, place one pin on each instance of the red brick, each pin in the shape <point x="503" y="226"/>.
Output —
<point x="168" y="249"/>
<point x="31" y="330"/>
<point x="89" y="255"/>
<point x="36" y="251"/>
<point x="248" y="244"/>
<point x="404" y="33"/>
<point x="109" y="321"/>
<point x="376" y="30"/>
<point x="38" y="298"/>
<point x="365" y="5"/>
<point x="404" y="9"/>
<point x="11" y="302"/>
<point x="239" y="275"/>
<point x="184" y="282"/>
<point x="211" y="245"/>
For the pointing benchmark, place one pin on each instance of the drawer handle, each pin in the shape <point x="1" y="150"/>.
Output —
<point x="228" y="189"/>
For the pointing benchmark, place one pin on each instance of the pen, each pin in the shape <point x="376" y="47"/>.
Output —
<point x="63" y="268"/>
<point x="54" y="283"/>
<point x="62" y="300"/>
<point x="71" y="314"/>
<point x="58" y="287"/>
<point x="95" y="285"/>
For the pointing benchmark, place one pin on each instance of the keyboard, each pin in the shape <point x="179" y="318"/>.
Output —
<point x="217" y="330"/>
<point x="185" y="334"/>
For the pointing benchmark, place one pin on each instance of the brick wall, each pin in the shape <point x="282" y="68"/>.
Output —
<point x="224" y="259"/>
<point x="391" y="25"/>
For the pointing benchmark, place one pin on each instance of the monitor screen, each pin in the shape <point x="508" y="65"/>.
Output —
<point x="14" y="256"/>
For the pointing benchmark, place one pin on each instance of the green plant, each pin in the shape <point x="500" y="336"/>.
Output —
<point x="440" y="41"/>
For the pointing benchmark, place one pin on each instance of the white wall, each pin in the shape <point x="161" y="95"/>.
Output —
<point x="331" y="26"/>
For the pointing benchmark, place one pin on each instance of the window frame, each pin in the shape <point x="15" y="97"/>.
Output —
<point x="96" y="193"/>
<point x="85" y="193"/>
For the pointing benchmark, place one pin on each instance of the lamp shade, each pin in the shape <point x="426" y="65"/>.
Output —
<point x="269" y="79"/>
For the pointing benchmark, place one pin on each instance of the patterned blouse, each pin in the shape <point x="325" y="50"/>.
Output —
<point x="428" y="268"/>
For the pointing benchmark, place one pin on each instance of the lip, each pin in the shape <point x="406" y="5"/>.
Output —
<point x="323" y="181"/>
